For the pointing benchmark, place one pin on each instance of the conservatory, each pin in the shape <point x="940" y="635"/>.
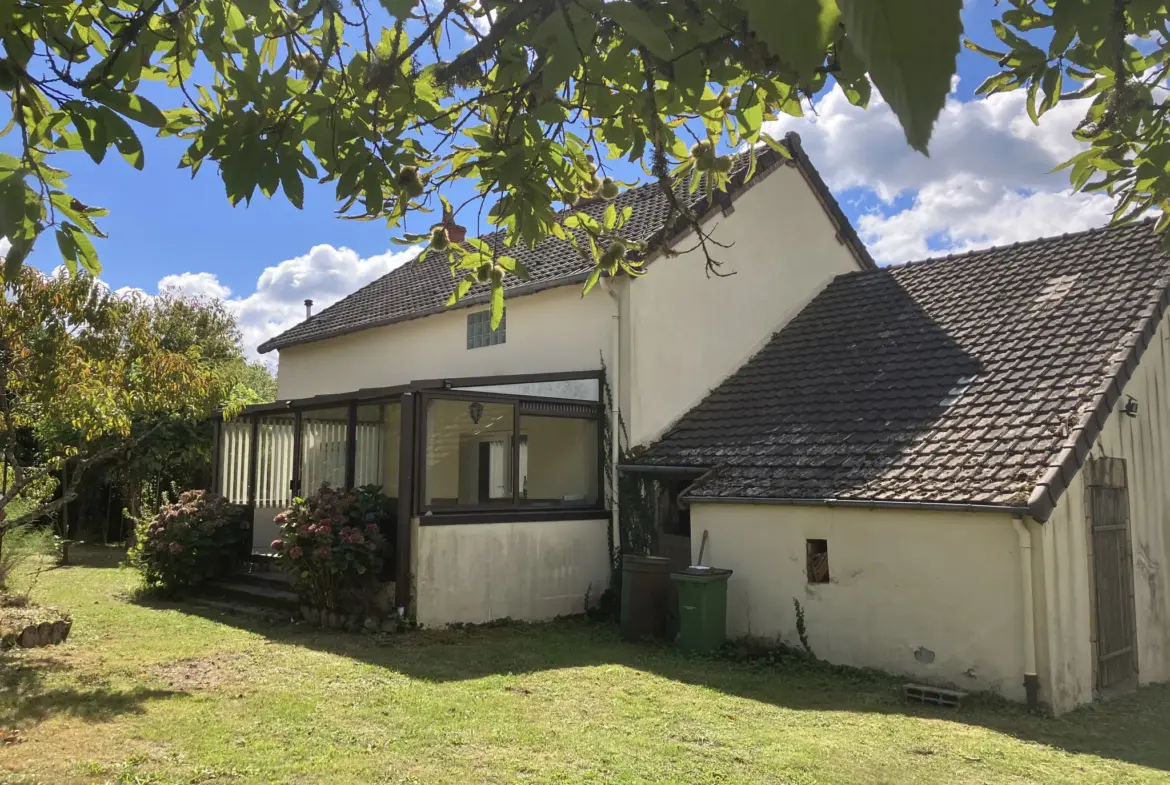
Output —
<point x="519" y="457"/>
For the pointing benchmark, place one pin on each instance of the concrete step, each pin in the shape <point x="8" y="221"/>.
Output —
<point x="233" y="608"/>
<point x="269" y="579"/>
<point x="254" y="594"/>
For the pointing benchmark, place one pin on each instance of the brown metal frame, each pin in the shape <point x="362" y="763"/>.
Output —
<point x="216" y="458"/>
<point x="351" y="445"/>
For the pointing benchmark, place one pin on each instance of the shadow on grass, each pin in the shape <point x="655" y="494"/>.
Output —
<point x="26" y="700"/>
<point x="1132" y="728"/>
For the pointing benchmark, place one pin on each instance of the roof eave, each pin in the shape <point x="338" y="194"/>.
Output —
<point x="1073" y="453"/>
<point x="845" y="231"/>
<point x="868" y="504"/>
<point x="468" y="302"/>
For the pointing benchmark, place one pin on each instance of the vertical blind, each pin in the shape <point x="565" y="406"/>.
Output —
<point x="323" y="450"/>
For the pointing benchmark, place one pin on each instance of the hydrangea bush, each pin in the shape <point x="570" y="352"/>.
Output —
<point x="192" y="540"/>
<point x="332" y="545"/>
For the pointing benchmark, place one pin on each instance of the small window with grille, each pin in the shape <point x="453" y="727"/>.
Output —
<point x="817" y="552"/>
<point x="480" y="332"/>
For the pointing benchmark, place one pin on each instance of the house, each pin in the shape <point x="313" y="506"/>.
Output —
<point x="959" y="468"/>
<point x="953" y="469"/>
<point x="492" y="443"/>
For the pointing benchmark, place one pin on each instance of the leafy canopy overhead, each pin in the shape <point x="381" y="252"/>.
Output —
<point x="525" y="99"/>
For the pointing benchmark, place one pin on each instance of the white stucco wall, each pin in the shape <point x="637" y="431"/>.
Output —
<point x="1144" y="443"/>
<point x="550" y="331"/>
<point x="688" y="332"/>
<point x="932" y="595"/>
<point x="474" y="573"/>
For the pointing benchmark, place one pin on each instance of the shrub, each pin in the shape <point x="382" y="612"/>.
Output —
<point x="189" y="541"/>
<point x="19" y="544"/>
<point x="332" y="545"/>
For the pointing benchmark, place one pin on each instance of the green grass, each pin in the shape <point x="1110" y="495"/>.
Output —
<point x="173" y="693"/>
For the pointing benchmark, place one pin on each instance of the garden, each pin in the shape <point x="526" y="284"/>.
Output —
<point x="150" y="690"/>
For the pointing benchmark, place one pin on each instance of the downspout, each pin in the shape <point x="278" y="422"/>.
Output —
<point x="613" y="379"/>
<point x="1031" y="680"/>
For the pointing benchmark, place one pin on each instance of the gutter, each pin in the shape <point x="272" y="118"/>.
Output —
<point x="867" y="504"/>
<point x="638" y="468"/>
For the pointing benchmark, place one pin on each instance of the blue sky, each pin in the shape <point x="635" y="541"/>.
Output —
<point x="266" y="257"/>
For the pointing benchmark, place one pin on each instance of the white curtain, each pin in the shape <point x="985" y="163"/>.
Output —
<point x="497" y="470"/>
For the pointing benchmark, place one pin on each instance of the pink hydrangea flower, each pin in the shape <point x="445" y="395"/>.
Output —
<point x="295" y="552"/>
<point x="277" y="545"/>
<point x="372" y="529"/>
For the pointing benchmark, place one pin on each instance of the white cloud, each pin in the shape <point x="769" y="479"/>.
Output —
<point x="195" y="284"/>
<point x="325" y="274"/>
<point x="988" y="179"/>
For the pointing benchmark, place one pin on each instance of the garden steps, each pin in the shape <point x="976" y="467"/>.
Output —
<point x="270" y="579"/>
<point x="252" y="589"/>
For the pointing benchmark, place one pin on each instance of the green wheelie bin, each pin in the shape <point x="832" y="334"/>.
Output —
<point x="702" y="608"/>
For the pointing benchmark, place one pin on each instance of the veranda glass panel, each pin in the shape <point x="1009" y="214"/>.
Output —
<point x="235" y="454"/>
<point x="376" y="453"/>
<point x="468" y="453"/>
<point x="558" y="461"/>
<point x="274" y="460"/>
<point x="576" y="389"/>
<point x="323" y="448"/>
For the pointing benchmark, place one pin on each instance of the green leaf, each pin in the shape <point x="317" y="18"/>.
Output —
<point x="125" y="139"/>
<point x="68" y="248"/>
<point x="129" y="105"/>
<point x="479" y="245"/>
<point x="1052" y="84"/>
<point x="86" y="253"/>
<point x="909" y="48"/>
<point x="497" y="304"/>
<point x="290" y="181"/>
<point x="749" y="108"/>
<point x="640" y="27"/>
<point x="796" y="31"/>
<point x="15" y="258"/>
<point x="463" y="287"/>
<point x="92" y="130"/>
<point x="399" y="8"/>
<point x="591" y="281"/>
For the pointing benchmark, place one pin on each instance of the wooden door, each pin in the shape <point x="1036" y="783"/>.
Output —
<point x="1107" y="504"/>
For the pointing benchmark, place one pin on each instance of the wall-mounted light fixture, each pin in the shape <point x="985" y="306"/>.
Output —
<point x="475" y="410"/>
<point x="1131" y="406"/>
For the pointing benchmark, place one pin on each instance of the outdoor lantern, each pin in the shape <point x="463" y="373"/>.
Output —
<point x="476" y="411"/>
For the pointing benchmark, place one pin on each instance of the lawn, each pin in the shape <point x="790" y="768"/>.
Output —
<point x="174" y="693"/>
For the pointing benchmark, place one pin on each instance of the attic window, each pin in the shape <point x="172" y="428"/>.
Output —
<point x="480" y="332"/>
<point x="1056" y="288"/>
<point x="817" y="560"/>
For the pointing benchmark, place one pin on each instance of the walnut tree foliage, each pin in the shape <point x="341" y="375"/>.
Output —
<point x="527" y="100"/>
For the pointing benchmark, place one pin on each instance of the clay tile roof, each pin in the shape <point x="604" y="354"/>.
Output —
<point x="418" y="289"/>
<point x="978" y="379"/>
